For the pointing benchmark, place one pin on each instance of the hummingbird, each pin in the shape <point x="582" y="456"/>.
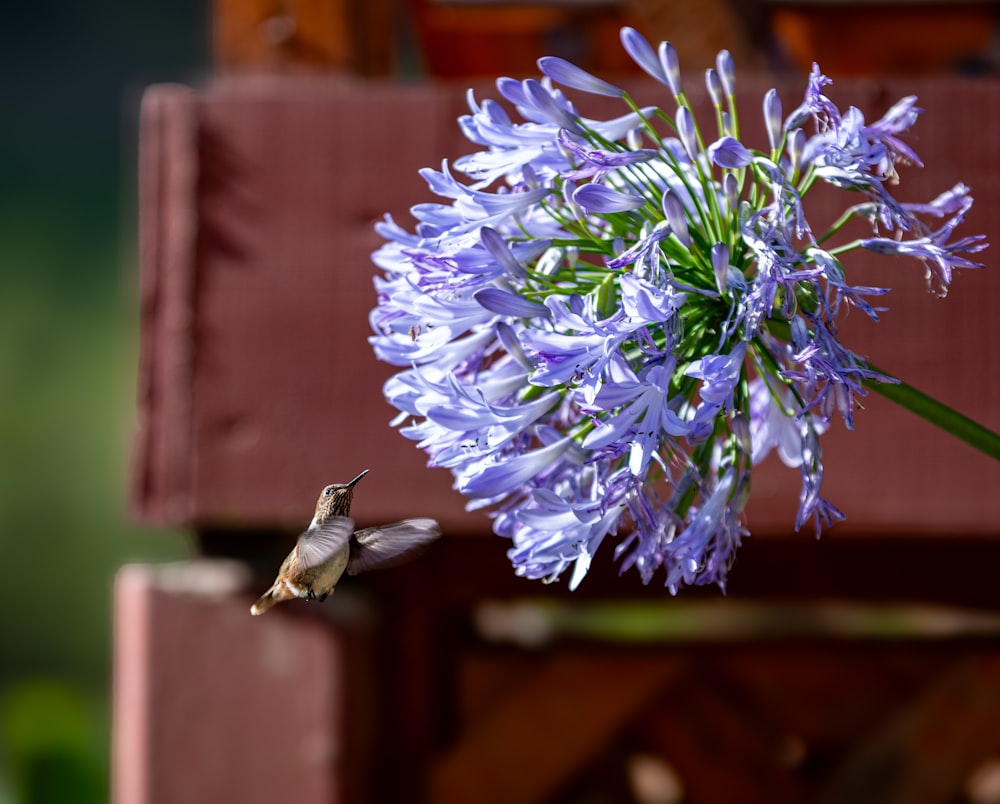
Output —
<point x="330" y="546"/>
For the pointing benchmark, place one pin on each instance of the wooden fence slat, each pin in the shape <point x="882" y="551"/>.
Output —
<point x="928" y="750"/>
<point x="723" y="751"/>
<point x="562" y="714"/>
<point x="214" y="705"/>
<point x="168" y="179"/>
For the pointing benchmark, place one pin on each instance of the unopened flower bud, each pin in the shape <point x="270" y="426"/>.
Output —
<point x="772" y="117"/>
<point x="727" y="71"/>
<point x="731" y="187"/>
<point x="686" y="131"/>
<point x="674" y="210"/>
<point x="796" y="144"/>
<point x="720" y="265"/>
<point x="671" y="66"/>
<point x="714" y="85"/>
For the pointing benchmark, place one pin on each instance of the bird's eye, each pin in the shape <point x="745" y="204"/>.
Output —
<point x="327" y="492"/>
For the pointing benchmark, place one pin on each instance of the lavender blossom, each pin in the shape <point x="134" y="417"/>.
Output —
<point x="569" y="75"/>
<point x="606" y="328"/>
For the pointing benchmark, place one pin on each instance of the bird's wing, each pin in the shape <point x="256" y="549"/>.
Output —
<point x="388" y="545"/>
<point x="318" y="544"/>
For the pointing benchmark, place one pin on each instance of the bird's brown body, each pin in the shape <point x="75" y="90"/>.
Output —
<point x="330" y="546"/>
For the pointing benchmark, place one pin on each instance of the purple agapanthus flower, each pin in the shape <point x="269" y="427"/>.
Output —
<point x="610" y="322"/>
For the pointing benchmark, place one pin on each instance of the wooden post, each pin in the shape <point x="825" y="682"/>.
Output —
<point x="211" y="704"/>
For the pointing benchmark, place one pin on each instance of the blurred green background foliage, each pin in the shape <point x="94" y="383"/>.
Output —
<point x="71" y="75"/>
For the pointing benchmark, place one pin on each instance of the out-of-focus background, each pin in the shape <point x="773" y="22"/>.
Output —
<point x="70" y="79"/>
<point x="72" y="76"/>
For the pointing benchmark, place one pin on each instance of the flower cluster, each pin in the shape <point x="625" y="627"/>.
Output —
<point x="609" y="322"/>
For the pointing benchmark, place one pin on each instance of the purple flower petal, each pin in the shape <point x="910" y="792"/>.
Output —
<point x="772" y="117"/>
<point x="731" y="189"/>
<point x="642" y="54"/>
<point x="569" y="75"/>
<point x="727" y="71"/>
<point x="686" y="131"/>
<point x="503" y="302"/>
<point x="542" y="100"/>
<point x="729" y="152"/>
<point x="509" y="474"/>
<point x="671" y="66"/>
<point x="796" y="147"/>
<point x="673" y="208"/>
<point x="714" y="85"/>
<point x="497" y="247"/>
<point x="720" y="266"/>
<point x="601" y="200"/>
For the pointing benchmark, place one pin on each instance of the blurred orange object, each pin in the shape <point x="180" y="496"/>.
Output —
<point x="886" y="38"/>
<point x="458" y="39"/>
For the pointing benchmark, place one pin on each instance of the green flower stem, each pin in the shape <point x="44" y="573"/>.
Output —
<point x="937" y="413"/>
<point x="905" y="395"/>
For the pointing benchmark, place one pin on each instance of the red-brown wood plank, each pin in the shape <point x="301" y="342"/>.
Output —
<point x="211" y="704"/>
<point x="721" y="751"/>
<point x="168" y="231"/>
<point x="928" y="750"/>
<point x="544" y="730"/>
<point x="906" y="720"/>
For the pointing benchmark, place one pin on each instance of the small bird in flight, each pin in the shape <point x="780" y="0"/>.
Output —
<point x="330" y="546"/>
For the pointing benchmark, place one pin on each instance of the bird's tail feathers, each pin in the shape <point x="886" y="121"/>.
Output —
<point x="272" y="597"/>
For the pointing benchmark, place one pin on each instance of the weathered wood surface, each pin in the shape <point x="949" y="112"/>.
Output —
<point x="799" y="701"/>
<point x="258" y="386"/>
<point x="211" y="704"/>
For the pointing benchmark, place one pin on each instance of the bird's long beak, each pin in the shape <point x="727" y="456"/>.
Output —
<point x="365" y="472"/>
